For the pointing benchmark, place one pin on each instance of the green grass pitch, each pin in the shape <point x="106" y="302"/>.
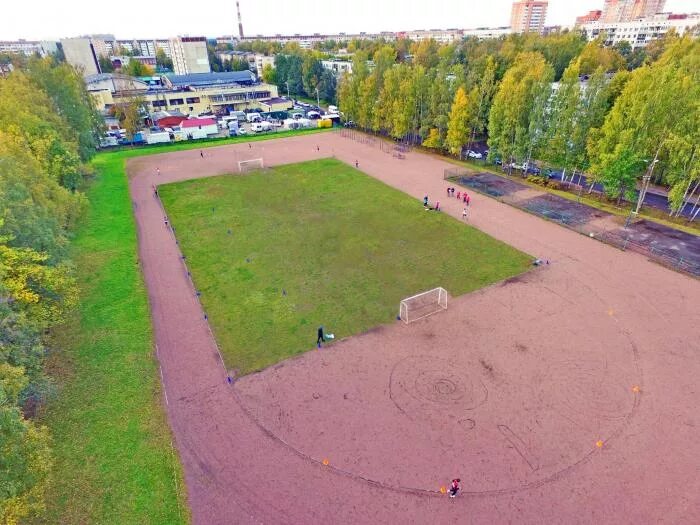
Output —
<point x="277" y="253"/>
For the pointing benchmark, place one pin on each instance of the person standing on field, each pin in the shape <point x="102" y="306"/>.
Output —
<point x="454" y="487"/>
<point x="320" y="339"/>
<point x="464" y="213"/>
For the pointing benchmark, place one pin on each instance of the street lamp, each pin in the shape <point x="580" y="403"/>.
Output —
<point x="646" y="179"/>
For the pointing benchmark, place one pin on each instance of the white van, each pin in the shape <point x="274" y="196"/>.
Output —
<point x="253" y="117"/>
<point x="257" y="127"/>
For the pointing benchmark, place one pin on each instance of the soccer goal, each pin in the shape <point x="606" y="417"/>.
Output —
<point x="250" y="165"/>
<point x="423" y="304"/>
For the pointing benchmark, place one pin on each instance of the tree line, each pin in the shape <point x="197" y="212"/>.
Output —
<point x="609" y="112"/>
<point x="48" y="130"/>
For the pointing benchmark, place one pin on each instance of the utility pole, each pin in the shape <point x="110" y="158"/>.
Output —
<point x="645" y="183"/>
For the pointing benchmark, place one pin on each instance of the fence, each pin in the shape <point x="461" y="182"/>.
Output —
<point x="573" y="215"/>
<point x="396" y="149"/>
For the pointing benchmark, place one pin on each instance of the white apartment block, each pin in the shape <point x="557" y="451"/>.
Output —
<point x="487" y="32"/>
<point x="442" y="36"/>
<point x="640" y="32"/>
<point x="338" y="67"/>
<point x="27" y="47"/>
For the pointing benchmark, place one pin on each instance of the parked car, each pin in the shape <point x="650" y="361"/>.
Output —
<point x="474" y="154"/>
<point x="349" y="124"/>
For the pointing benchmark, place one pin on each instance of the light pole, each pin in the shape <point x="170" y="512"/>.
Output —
<point x="645" y="186"/>
<point x="287" y="83"/>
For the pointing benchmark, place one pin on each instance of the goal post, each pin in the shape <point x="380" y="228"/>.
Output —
<point x="245" y="166"/>
<point x="423" y="304"/>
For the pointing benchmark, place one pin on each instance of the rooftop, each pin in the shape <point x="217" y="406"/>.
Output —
<point x="208" y="79"/>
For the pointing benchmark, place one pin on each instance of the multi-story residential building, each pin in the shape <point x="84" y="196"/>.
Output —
<point x="307" y="41"/>
<point x="443" y="36"/>
<point x="81" y="53"/>
<point x="338" y="67"/>
<point x="528" y="16"/>
<point x="483" y="33"/>
<point x="189" y="55"/>
<point x="591" y="16"/>
<point x="640" y="32"/>
<point x="195" y="94"/>
<point x="165" y="46"/>
<point x="628" y="10"/>
<point x="261" y="61"/>
<point x="27" y="47"/>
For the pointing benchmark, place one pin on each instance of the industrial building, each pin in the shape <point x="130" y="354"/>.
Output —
<point x="194" y="94"/>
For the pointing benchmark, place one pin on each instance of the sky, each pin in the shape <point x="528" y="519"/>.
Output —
<point x="52" y="19"/>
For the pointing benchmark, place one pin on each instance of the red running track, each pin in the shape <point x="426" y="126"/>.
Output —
<point x="599" y="345"/>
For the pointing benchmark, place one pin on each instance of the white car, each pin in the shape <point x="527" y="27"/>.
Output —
<point x="242" y="131"/>
<point x="474" y="155"/>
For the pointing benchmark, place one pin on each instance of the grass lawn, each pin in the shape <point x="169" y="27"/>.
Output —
<point x="114" y="459"/>
<point x="112" y="444"/>
<point x="318" y="243"/>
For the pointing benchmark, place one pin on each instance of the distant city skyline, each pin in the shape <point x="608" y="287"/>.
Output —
<point x="161" y="19"/>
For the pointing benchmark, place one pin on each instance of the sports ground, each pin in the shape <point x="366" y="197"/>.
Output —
<point x="277" y="253"/>
<point x="566" y="394"/>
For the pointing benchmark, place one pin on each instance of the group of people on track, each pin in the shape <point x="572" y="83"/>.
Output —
<point x="463" y="195"/>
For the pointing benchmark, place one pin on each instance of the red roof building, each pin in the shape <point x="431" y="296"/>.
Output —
<point x="197" y="122"/>
<point x="171" y="121"/>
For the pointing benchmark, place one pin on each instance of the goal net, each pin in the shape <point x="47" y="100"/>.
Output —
<point x="423" y="304"/>
<point x="250" y="165"/>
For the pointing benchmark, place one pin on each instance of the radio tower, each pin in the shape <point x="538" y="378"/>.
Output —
<point x="240" y="23"/>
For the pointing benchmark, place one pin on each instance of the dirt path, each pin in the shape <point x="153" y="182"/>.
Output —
<point x="510" y="389"/>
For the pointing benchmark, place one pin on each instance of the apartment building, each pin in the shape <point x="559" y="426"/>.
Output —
<point x="628" y="10"/>
<point x="443" y="36"/>
<point x="591" y="16"/>
<point x="640" y="32"/>
<point x="483" y="33"/>
<point x="27" y="47"/>
<point x="80" y="53"/>
<point x="189" y="55"/>
<point x="528" y="16"/>
<point x="338" y="67"/>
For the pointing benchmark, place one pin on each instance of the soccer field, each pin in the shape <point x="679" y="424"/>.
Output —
<point x="276" y="254"/>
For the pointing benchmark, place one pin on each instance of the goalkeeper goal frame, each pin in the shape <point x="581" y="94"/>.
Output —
<point x="423" y="304"/>
<point x="245" y="166"/>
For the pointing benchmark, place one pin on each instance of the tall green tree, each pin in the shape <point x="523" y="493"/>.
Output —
<point x="657" y="107"/>
<point x="461" y="118"/>
<point x="513" y="106"/>
<point x="66" y="88"/>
